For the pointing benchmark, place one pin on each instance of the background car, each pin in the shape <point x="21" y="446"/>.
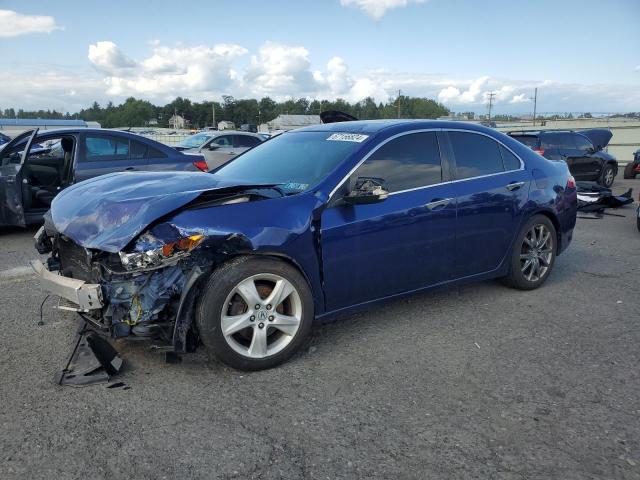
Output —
<point x="219" y="147"/>
<point x="313" y="223"/>
<point x="583" y="151"/>
<point x="4" y="139"/>
<point x="632" y="169"/>
<point x="35" y="166"/>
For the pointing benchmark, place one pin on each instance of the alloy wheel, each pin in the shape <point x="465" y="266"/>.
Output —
<point x="536" y="253"/>
<point x="261" y="315"/>
<point x="608" y="177"/>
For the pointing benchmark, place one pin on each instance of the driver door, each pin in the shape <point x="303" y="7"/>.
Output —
<point x="402" y="243"/>
<point x="12" y="158"/>
<point x="218" y="151"/>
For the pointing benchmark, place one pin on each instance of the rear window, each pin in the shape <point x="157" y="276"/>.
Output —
<point x="562" y="141"/>
<point x="529" y="140"/>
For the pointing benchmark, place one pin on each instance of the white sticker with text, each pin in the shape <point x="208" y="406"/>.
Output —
<point x="348" y="137"/>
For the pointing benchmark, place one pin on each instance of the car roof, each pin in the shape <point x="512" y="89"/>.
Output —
<point x="375" y="126"/>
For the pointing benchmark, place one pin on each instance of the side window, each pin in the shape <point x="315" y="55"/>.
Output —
<point x="138" y="150"/>
<point x="582" y="143"/>
<point x="245" y="141"/>
<point x="223" y="141"/>
<point x="409" y="161"/>
<point x="476" y="155"/>
<point x="105" y="147"/>
<point x="511" y="162"/>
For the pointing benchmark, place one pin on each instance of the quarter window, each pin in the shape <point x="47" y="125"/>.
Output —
<point x="511" y="162"/>
<point x="476" y="155"/>
<point x="409" y="161"/>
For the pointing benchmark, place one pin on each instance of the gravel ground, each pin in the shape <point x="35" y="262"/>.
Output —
<point x="476" y="382"/>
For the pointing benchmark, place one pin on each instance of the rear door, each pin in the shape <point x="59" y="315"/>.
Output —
<point x="12" y="159"/>
<point x="491" y="188"/>
<point x="102" y="153"/>
<point x="582" y="164"/>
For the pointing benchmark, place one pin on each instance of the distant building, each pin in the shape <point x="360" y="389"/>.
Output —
<point x="152" y="122"/>
<point x="178" y="122"/>
<point x="15" y="126"/>
<point x="226" y="125"/>
<point x="289" y="122"/>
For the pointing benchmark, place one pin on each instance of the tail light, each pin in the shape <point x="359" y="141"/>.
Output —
<point x="571" y="182"/>
<point x="539" y="151"/>
<point x="201" y="165"/>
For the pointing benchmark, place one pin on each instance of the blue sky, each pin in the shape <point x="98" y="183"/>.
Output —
<point x="582" y="55"/>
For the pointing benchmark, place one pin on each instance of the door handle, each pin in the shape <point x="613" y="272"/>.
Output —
<point x="130" y="168"/>
<point x="231" y="153"/>
<point x="514" y="186"/>
<point x="443" y="202"/>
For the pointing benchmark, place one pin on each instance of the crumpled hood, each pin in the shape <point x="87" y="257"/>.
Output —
<point x="109" y="211"/>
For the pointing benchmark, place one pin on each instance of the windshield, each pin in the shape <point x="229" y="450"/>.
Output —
<point x="296" y="160"/>
<point x="194" y="141"/>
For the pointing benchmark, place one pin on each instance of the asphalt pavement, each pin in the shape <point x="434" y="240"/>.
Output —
<point x="475" y="382"/>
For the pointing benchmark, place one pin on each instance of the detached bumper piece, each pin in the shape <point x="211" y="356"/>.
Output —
<point x="92" y="361"/>
<point x="81" y="296"/>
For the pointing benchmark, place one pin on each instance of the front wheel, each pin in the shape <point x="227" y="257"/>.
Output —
<point x="255" y="312"/>
<point x="629" y="171"/>
<point x="608" y="175"/>
<point x="533" y="255"/>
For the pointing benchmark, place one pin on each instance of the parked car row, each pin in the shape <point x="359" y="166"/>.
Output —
<point x="35" y="166"/>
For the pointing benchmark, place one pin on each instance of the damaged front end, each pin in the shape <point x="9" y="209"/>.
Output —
<point x="142" y="292"/>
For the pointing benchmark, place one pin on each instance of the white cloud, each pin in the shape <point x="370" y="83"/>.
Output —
<point x="168" y="72"/>
<point x="107" y="58"/>
<point x="376" y="9"/>
<point x="521" y="98"/>
<point x="473" y="94"/>
<point x="205" y="72"/>
<point x="13" y="24"/>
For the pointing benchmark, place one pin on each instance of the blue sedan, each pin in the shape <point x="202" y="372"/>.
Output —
<point x="316" y="222"/>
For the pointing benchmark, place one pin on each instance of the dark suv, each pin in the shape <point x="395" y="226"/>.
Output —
<point x="583" y="151"/>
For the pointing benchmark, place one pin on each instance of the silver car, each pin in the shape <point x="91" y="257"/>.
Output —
<point x="219" y="147"/>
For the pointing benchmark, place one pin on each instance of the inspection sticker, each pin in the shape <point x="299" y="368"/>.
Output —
<point x="348" y="137"/>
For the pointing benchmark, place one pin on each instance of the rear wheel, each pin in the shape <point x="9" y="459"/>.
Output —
<point x="255" y="313"/>
<point x="629" y="171"/>
<point x="608" y="175"/>
<point x="533" y="255"/>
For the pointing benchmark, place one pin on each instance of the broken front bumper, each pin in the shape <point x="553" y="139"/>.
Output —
<point x="85" y="296"/>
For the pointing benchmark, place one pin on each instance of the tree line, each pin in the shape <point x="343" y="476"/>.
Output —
<point x="139" y="113"/>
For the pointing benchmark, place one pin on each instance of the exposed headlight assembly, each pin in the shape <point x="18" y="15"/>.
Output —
<point x="158" y="256"/>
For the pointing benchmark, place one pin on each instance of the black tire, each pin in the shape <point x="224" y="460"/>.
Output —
<point x="607" y="176"/>
<point x="516" y="278"/>
<point x="628" y="171"/>
<point x="220" y="286"/>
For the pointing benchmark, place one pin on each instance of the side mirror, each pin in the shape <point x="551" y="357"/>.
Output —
<point x="213" y="146"/>
<point x="367" y="190"/>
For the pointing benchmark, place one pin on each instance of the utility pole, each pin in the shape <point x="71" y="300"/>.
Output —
<point x="535" y="104"/>
<point x="492" y="95"/>
<point x="398" y="102"/>
<point x="213" y="110"/>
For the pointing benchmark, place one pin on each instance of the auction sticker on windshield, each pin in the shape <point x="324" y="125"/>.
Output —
<point x="348" y="137"/>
